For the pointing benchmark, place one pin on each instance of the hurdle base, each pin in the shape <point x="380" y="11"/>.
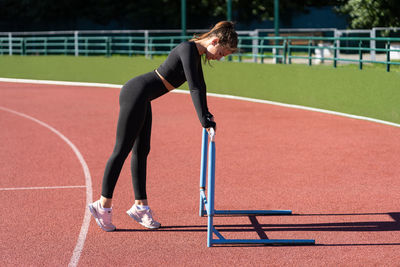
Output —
<point x="204" y="210"/>
<point x="238" y="213"/>
<point x="271" y="242"/>
<point x="252" y="212"/>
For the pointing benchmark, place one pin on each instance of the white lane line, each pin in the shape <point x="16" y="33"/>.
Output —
<point x="106" y="85"/>
<point x="297" y="107"/>
<point x="88" y="182"/>
<point x="42" y="187"/>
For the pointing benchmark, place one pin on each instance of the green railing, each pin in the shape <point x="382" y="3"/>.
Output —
<point x="286" y="50"/>
<point x="91" y="45"/>
<point x="306" y="48"/>
<point x="360" y="49"/>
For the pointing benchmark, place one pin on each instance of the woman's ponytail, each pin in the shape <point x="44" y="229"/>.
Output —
<point x="225" y="31"/>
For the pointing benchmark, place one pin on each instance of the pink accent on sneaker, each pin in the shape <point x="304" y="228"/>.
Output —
<point x="144" y="217"/>
<point x="102" y="217"/>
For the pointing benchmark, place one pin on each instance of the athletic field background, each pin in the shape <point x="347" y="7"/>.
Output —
<point x="371" y="92"/>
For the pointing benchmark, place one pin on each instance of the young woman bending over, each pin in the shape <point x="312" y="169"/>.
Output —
<point x="134" y="121"/>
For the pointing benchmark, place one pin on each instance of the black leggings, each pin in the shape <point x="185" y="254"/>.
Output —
<point x="133" y="132"/>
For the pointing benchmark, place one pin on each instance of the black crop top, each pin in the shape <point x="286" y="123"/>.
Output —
<point x="184" y="64"/>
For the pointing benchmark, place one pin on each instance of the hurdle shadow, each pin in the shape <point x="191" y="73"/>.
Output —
<point x="262" y="229"/>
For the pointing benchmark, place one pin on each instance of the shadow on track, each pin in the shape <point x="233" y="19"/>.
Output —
<point x="261" y="229"/>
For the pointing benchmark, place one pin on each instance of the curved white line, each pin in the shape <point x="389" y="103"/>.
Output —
<point x="306" y="108"/>
<point x="88" y="181"/>
<point x="210" y="94"/>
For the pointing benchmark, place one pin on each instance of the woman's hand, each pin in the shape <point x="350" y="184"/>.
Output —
<point x="215" y="128"/>
<point x="211" y="133"/>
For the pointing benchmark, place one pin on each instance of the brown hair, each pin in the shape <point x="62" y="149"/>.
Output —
<point x="225" y="32"/>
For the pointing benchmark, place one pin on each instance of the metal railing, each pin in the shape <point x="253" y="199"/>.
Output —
<point x="89" y="45"/>
<point x="285" y="49"/>
<point x="333" y="44"/>
<point x="311" y="49"/>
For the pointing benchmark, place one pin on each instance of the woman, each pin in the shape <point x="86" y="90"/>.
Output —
<point x="134" y="122"/>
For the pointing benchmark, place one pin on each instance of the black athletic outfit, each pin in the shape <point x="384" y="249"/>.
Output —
<point x="134" y="121"/>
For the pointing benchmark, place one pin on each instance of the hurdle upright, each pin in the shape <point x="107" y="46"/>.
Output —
<point x="207" y="202"/>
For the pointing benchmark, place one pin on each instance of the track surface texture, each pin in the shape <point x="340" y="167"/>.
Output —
<point x="340" y="176"/>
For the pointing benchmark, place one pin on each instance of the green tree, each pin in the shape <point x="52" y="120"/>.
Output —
<point x="371" y="13"/>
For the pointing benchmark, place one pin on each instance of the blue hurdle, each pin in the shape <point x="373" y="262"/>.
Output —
<point x="207" y="202"/>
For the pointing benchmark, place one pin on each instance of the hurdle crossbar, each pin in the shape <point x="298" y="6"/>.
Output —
<point x="207" y="202"/>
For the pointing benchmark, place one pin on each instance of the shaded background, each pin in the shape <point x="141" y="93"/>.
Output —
<point x="46" y="15"/>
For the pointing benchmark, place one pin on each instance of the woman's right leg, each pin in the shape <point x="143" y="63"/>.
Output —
<point x="132" y="114"/>
<point x="135" y="99"/>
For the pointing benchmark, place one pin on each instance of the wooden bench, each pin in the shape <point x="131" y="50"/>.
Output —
<point x="301" y="34"/>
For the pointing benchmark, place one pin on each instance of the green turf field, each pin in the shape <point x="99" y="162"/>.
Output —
<point x="371" y="92"/>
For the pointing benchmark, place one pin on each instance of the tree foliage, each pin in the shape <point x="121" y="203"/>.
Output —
<point x="162" y="14"/>
<point x="371" y="13"/>
<point x="154" y="14"/>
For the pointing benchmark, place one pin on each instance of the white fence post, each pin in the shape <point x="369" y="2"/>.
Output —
<point x="10" y="46"/>
<point x="373" y="44"/>
<point x="146" y="43"/>
<point x="255" y="44"/>
<point x="337" y="34"/>
<point x="76" y="43"/>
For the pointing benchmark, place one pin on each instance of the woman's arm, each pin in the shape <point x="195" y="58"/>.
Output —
<point x="194" y="75"/>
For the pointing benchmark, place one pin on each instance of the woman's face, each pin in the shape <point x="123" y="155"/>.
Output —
<point x="215" y="51"/>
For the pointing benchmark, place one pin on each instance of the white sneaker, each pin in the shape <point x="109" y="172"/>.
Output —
<point x="102" y="216"/>
<point x="144" y="217"/>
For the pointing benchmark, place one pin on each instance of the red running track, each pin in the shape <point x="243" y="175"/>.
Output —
<point x="340" y="176"/>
